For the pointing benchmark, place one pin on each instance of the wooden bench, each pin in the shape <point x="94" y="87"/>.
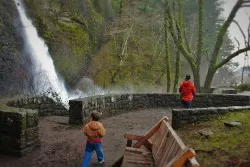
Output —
<point x="162" y="148"/>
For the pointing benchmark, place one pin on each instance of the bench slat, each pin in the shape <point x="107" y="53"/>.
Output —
<point x="160" y="158"/>
<point x="180" y="159"/>
<point x="159" y="146"/>
<point x="182" y="145"/>
<point x="158" y="139"/>
<point x="165" y="151"/>
<point x="172" y="152"/>
<point x="135" y="157"/>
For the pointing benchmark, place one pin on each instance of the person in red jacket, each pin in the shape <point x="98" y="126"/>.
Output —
<point x="187" y="91"/>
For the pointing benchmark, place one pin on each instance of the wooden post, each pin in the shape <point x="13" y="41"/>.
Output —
<point x="129" y="143"/>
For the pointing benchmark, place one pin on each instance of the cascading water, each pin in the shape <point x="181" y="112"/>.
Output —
<point x="44" y="74"/>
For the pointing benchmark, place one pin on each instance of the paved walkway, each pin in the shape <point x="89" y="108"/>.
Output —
<point x="62" y="145"/>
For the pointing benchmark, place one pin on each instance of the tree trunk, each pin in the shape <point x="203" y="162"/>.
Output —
<point x="200" y="35"/>
<point x="177" y="71"/>
<point x="196" y="79"/>
<point x="167" y="53"/>
<point x="121" y="6"/>
<point x="209" y="78"/>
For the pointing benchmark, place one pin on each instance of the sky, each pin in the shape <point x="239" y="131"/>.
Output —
<point x="242" y="18"/>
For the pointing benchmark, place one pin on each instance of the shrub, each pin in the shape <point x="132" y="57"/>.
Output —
<point x="243" y="87"/>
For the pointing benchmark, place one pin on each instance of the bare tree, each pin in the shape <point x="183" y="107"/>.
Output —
<point x="179" y="37"/>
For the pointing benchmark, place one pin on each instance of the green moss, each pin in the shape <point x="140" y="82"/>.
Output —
<point x="224" y="144"/>
<point x="5" y="108"/>
<point x="23" y="125"/>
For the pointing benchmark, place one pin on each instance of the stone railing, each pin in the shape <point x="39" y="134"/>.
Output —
<point x="45" y="105"/>
<point x="181" y="117"/>
<point x="19" y="132"/>
<point x="80" y="109"/>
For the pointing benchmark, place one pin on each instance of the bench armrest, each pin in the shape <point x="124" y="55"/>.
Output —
<point x="132" y="137"/>
<point x="193" y="162"/>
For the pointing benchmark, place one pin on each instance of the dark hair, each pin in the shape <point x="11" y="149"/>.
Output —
<point x="188" y="77"/>
<point x="96" y="116"/>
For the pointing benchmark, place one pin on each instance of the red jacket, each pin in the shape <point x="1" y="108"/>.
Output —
<point x="187" y="90"/>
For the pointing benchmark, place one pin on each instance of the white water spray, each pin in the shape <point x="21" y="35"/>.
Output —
<point x="44" y="73"/>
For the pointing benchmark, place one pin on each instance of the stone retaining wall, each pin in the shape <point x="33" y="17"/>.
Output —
<point x="45" y="105"/>
<point x="181" y="117"/>
<point x="80" y="109"/>
<point x="19" y="132"/>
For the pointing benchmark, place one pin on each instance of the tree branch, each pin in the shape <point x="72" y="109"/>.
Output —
<point x="248" y="32"/>
<point x="223" y="31"/>
<point x="178" y="40"/>
<point x="231" y="57"/>
<point x="200" y="34"/>
<point x="242" y="32"/>
<point x="181" y="24"/>
<point x="238" y="43"/>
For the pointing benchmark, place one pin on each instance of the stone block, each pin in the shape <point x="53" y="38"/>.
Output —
<point x="175" y="123"/>
<point x="9" y="143"/>
<point x="229" y="91"/>
<point x="222" y="110"/>
<point x="32" y="134"/>
<point x="33" y="144"/>
<point x="192" y="119"/>
<point x="107" y="99"/>
<point x="184" y="122"/>
<point x="13" y="123"/>
<point x="212" y="110"/>
<point x="185" y="113"/>
<point x="236" y="108"/>
<point x="176" y="113"/>
<point x="32" y="118"/>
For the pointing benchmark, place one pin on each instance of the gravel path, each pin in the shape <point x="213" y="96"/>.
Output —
<point x="62" y="145"/>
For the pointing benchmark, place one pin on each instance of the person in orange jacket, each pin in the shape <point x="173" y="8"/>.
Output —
<point x="187" y="91"/>
<point x="94" y="131"/>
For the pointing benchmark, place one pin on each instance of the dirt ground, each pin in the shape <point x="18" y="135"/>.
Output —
<point x="62" y="145"/>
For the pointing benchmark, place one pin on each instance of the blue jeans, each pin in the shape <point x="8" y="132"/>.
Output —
<point x="90" y="147"/>
<point x="187" y="104"/>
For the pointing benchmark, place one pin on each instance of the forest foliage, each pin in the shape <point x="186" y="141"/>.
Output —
<point x="120" y="43"/>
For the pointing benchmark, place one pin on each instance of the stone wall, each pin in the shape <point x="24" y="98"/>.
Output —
<point x="45" y="105"/>
<point x="80" y="109"/>
<point x="181" y="117"/>
<point x="19" y="132"/>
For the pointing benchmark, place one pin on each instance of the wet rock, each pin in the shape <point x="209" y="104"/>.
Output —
<point x="205" y="132"/>
<point x="233" y="124"/>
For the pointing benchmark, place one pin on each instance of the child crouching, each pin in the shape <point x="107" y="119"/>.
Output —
<point x="95" y="131"/>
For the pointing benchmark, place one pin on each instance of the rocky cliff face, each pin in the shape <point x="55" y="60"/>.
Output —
<point x="71" y="30"/>
<point x="12" y="63"/>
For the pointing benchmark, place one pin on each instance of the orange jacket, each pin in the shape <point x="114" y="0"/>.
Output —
<point x="187" y="90"/>
<point x="94" y="130"/>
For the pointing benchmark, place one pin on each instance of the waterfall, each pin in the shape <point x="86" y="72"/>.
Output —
<point x="45" y="77"/>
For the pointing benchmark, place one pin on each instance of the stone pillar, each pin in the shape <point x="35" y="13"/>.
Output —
<point x="176" y="119"/>
<point x="19" y="132"/>
<point x="75" y="112"/>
